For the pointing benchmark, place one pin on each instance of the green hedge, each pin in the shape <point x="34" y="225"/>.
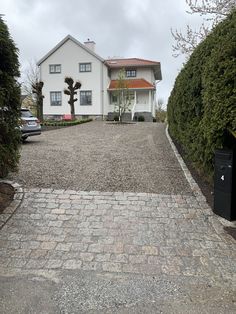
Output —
<point x="202" y="104"/>
<point x="9" y="102"/>
<point x="64" y="123"/>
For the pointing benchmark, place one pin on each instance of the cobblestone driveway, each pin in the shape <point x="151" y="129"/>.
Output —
<point x="65" y="250"/>
<point x="117" y="232"/>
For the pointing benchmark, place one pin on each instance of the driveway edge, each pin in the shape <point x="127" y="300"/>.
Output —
<point x="218" y="224"/>
<point x="194" y="186"/>
<point x="10" y="210"/>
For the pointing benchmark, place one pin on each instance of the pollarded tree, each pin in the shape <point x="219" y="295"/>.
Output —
<point x="71" y="91"/>
<point x="9" y="102"/>
<point x="122" y="93"/>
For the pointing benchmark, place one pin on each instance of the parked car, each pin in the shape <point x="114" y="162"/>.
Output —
<point x="29" y="125"/>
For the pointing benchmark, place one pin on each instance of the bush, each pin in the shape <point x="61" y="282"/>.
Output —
<point x="65" y="123"/>
<point x="116" y="118"/>
<point x="161" y="116"/>
<point x="9" y="102"/>
<point x="202" y="106"/>
<point x="141" y="118"/>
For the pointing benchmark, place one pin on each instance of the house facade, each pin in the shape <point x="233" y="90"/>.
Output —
<point x="96" y="97"/>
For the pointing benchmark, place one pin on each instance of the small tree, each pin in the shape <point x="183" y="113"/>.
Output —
<point x="123" y="99"/>
<point x="31" y="78"/>
<point x="160" y="112"/>
<point x="37" y="88"/>
<point x="9" y="102"/>
<point x="71" y="91"/>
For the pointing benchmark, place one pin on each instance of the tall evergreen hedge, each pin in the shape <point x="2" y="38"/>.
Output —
<point x="202" y="104"/>
<point x="9" y="102"/>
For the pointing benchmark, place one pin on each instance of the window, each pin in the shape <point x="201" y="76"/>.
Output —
<point x="55" y="98"/>
<point x="54" y="68"/>
<point x="130" y="73"/>
<point x="85" y="67"/>
<point x="113" y="98"/>
<point x="86" y="98"/>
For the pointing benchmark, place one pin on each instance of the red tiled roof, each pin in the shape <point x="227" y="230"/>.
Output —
<point x="133" y="84"/>
<point x="131" y="62"/>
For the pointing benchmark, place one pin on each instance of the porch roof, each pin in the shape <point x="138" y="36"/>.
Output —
<point x="132" y="84"/>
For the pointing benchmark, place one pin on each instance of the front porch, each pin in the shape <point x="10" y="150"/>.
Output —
<point x="142" y="102"/>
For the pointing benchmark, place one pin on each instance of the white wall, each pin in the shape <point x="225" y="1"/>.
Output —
<point x="69" y="55"/>
<point x="145" y="73"/>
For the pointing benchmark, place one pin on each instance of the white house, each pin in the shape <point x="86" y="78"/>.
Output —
<point x="98" y="78"/>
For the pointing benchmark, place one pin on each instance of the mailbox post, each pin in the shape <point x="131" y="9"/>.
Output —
<point x="225" y="184"/>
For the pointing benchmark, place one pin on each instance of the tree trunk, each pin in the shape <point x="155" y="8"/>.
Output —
<point x="72" y="107"/>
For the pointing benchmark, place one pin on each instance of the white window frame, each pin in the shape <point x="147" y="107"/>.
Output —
<point x="54" y="68"/>
<point x="54" y="99"/>
<point x="87" y="94"/>
<point x="131" y="73"/>
<point x="85" y="67"/>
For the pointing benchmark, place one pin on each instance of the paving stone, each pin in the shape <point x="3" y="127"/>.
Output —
<point x="112" y="267"/>
<point x="72" y="264"/>
<point x="150" y="250"/>
<point x="48" y="245"/>
<point x="35" y="264"/>
<point x="63" y="247"/>
<point x="38" y="253"/>
<point x="85" y="256"/>
<point x="53" y="263"/>
<point x="105" y="257"/>
<point x="119" y="258"/>
<point x="96" y="248"/>
<point x="137" y="259"/>
<point x="117" y="232"/>
<point x="91" y="266"/>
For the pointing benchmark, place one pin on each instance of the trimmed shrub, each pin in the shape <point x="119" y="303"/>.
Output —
<point x="202" y="104"/>
<point x="65" y="123"/>
<point x="9" y="102"/>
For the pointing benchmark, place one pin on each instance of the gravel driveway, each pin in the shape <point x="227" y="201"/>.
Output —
<point x="104" y="157"/>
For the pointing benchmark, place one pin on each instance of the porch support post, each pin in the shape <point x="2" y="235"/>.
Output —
<point x="135" y="98"/>
<point x="150" y="100"/>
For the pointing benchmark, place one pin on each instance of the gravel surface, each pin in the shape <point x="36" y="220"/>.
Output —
<point x="102" y="156"/>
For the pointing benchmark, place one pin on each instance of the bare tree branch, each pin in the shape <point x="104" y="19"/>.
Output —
<point x="31" y="78"/>
<point x="213" y="11"/>
<point x="221" y="8"/>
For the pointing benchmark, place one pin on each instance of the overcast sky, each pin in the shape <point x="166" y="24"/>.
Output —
<point x="124" y="28"/>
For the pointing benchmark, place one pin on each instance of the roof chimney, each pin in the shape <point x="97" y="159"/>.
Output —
<point x="90" y="44"/>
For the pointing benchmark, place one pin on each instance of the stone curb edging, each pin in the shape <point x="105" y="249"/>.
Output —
<point x="10" y="210"/>
<point x="194" y="186"/>
<point x="205" y="208"/>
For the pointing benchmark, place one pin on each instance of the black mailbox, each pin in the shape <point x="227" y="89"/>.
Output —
<point x="225" y="184"/>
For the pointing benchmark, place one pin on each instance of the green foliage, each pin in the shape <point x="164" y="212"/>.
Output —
<point x="202" y="104"/>
<point x="9" y="102"/>
<point x="65" y="123"/>
<point x="161" y="115"/>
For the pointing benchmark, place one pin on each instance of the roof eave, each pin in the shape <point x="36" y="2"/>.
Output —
<point x="68" y="37"/>
<point x="133" y="88"/>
